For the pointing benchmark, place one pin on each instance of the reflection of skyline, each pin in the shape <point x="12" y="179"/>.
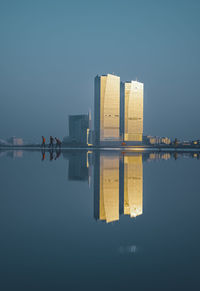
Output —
<point x="116" y="177"/>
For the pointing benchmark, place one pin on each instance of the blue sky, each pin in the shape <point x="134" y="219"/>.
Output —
<point x="50" y="52"/>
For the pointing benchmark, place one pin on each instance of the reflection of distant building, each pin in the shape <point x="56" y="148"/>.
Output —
<point x="16" y="141"/>
<point x="79" y="128"/>
<point x="159" y="156"/>
<point x="18" y="154"/>
<point x="78" y="167"/>
<point x="118" y="185"/>
<point x="15" y="154"/>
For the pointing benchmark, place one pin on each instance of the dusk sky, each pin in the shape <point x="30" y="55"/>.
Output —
<point x="51" y="50"/>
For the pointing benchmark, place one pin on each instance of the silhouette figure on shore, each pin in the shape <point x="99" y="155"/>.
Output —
<point x="58" y="142"/>
<point x="51" y="139"/>
<point x="43" y="141"/>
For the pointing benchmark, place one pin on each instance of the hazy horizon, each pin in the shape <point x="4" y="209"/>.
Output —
<point x="51" y="51"/>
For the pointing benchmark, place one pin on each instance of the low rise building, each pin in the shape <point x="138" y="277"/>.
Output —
<point x="153" y="140"/>
<point x="16" y="141"/>
<point x="79" y="128"/>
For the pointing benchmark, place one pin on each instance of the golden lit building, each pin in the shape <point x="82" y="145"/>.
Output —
<point x="131" y="125"/>
<point x="133" y="185"/>
<point x="107" y="108"/>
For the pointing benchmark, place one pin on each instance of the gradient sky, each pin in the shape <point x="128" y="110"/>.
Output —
<point x="51" y="50"/>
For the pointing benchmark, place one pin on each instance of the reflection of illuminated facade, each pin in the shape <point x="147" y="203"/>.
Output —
<point x="118" y="185"/>
<point x="107" y="187"/>
<point x="107" y="108"/>
<point x="133" y="185"/>
<point x="131" y="125"/>
<point x="118" y="179"/>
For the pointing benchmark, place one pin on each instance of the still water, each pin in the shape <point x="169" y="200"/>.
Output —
<point x="103" y="220"/>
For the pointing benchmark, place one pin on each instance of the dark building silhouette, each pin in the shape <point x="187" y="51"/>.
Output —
<point x="79" y="128"/>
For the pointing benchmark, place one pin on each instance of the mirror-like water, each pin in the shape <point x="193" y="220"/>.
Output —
<point x="102" y="220"/>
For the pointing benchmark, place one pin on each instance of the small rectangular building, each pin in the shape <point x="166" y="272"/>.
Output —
<point x="16" y="141"/>
<point x="78" y="128"/>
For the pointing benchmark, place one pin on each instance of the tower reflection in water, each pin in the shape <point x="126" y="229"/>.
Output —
<point x="116" y="178"/>
<point x="118" y="185"/>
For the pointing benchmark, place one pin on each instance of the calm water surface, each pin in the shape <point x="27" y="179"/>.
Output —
<point x="99" y="220"/>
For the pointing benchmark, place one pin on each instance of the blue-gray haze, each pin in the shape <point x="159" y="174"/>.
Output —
<point x="50" y="51"/>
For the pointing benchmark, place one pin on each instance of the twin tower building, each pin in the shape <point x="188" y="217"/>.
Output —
<point x="118" y="110"/>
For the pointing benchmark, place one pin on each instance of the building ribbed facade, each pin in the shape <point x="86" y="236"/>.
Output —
<point x="131" y="111"/>
<point x="107" y="108"/>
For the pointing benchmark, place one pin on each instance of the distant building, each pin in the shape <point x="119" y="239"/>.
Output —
<point x="79" y="128"/>
<point x="165" y="140"/>
<point x="3" y="142"/>
<point x="131" y="111"/>
<point x="107" y="108"/>
<point x="16" y="141"/>
<point x="195" y="142"/>
<point x="152" y="140"/>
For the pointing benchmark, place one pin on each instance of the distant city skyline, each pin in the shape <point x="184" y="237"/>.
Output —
<point x="99" y="144"/>
<point x="51" y="50"/>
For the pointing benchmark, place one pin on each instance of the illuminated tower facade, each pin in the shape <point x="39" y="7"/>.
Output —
<point x="107" y="108"/>
<point x="131" y="111"/>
